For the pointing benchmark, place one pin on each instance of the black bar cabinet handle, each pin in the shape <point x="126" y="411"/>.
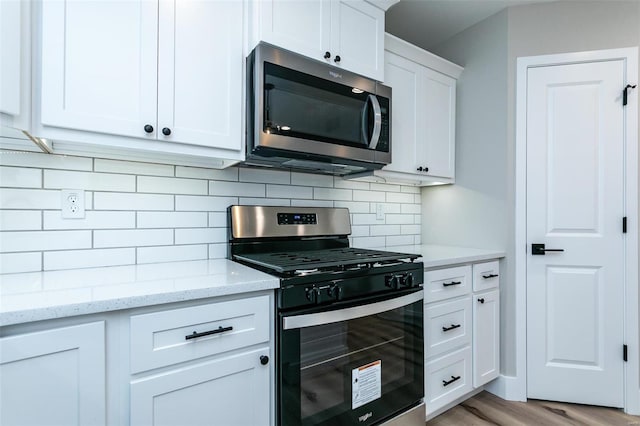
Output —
<point x="486" y="277"/>
<point x="453" y="379"/>
<point x="451" y="283"/>
<point x="195" y="335"/>
<point x="453" y="327"/>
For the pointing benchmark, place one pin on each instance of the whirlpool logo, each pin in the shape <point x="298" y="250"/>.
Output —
<point x="335" y="74"/>
<point x="365" y="417"/>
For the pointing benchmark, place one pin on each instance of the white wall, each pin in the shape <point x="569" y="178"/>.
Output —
<point x="486" y="123"/>
<point x="147" y="213"/>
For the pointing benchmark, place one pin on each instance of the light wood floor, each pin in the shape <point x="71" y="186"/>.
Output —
<point x="488" y="409"/>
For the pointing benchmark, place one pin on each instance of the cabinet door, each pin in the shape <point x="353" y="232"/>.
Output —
<point x="99" y="65"/>
<point x="357" y="36"/>
<point x="436" y="144"/>
<point x="200" y="66"/>
<point x="300" y="26"/>
<point x="54" y="377"/>
<point x="405" y="78"/>
<point x="10" y="36"/>
<point x="232" y="391"/>
<point x="486" y="337"/>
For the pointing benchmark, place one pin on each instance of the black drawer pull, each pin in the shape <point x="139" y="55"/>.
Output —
<point x="486" y="277"/>
<point x="481" y="300"/>
<point x="453" y="379"/>
<point x="453" y="327"/>
<point x="451" y="283"/>
<point x="195" y="335"/>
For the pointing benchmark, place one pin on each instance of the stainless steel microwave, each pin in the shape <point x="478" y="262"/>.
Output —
<point x="306" y="115"/>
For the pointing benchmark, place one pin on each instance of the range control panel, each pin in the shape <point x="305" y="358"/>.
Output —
<point x="297" y="219"/>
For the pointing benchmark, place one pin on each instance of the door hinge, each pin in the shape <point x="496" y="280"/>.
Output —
<point x="624" y="93"/>
<point x="624" y="225"/>
<point x="624" y="353"/>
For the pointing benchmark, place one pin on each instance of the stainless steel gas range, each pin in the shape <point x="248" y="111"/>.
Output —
<point x="349" y="321"/>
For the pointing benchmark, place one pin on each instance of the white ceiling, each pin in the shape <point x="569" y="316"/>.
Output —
<point x="426" y="23"/>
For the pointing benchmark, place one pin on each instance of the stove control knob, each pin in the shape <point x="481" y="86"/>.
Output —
<point x="392" y="281"/>
<point x="313" y="295"/>
<point x="335" y="292"/>
<point x="407" y="279"/>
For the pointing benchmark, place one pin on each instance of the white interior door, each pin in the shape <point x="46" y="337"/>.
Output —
<point x="575" y="202"/>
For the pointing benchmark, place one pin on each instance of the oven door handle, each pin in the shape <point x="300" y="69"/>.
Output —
<point x="339" y="315"/>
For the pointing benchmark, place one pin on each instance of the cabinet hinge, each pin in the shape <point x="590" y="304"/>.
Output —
<point x="624" y="225"/>
<point x="624" y="93"/>
<point x="624" y="353"/>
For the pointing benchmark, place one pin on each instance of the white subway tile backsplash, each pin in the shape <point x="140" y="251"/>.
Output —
<point x="289" y="191"/>
<point x="386" y="187"/>
<point x="132" y="167"/>
<point x="44" y="240"/>
<point x="55" y="260"/>
<point x="397" y="197"/>
<point x="417" y="239"/>
<point x="230" y="174"/>
<point x="264" y="202"/>
<point x="172" y="219"/>
<point x="45" y="161"/>
<point x="128" y="201"/>
<point x="12" y="263"/>
<point x="237" y="189"/>
<point x="333" y="194"/>
<point x="218" y="220"/>
<point x="172" y="253"/>
<point x="399" y="240"/>
<point x="166" y="185"/>
<point x="203" y="203"/>
<point x="369" y="196"/>
<point x="146" y="213"/>
<point x="133" y="238"/>
<point x="20" y="177"/>
<point x="89" y="181"/>
<point x="354" y="206"/>
<point x="20" y="220"/>
<point x="264" y="176"/>
<point x="201" y="235"/>
<point x="307" y="179"/>
<point x="29" y="199"/>
<point x="92" y="220"/>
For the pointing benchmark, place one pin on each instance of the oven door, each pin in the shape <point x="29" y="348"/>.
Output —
<point x="357" y="364"/>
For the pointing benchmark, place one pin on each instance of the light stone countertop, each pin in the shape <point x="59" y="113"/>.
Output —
<point x="436" y="256"/>
<point x="40" y="296"/>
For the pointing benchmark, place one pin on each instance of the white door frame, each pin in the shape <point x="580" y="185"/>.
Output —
<point x="517" y="389"/>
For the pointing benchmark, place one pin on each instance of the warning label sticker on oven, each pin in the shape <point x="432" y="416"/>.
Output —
<point x="366" y="384"/>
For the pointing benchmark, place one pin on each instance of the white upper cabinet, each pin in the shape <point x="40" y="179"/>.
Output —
<point x="157" y="79"/>
<point x="346" y="34"/>
<point x="96" y="77"/>
<point x="423" y="116"/>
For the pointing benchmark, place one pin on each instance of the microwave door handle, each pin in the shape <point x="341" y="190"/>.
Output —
<point x="365" y="127"/>
<point x="377" y="122"/>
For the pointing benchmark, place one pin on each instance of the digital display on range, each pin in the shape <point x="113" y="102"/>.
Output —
<point x="297" y="219"/>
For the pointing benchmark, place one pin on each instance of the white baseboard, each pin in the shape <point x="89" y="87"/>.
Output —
<point x="507" y="387"/>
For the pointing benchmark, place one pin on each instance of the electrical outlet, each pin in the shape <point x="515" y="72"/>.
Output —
<point x="72" y="201"/>
<point x="379" y="211"/>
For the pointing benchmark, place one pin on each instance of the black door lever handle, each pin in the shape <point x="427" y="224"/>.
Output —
<point x="539" y="249"/>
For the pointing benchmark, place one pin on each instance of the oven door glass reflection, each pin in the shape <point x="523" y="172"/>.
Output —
<point x="338" y="372"/>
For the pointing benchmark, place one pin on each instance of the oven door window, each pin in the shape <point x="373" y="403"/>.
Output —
<point x="302" y="106"/>
<point x="339" y="372"/>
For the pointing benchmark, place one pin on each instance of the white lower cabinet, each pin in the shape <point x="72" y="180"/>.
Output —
<point x="462" y="332"/>
<point x="54" y="377"/>
<point x="230" y="391"/>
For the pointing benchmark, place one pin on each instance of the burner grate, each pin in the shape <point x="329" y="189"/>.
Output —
<point x="284" y="262"/>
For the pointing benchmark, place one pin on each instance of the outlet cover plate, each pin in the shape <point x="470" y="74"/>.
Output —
<point x="72" y="203"/>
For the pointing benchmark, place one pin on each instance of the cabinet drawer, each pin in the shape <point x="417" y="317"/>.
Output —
<point x="447" y="326"/>
<point x="447" y="379"/>
<point x="486" y="275"/>
<point x="163" y="338"/>
<point x="446" y="283"/>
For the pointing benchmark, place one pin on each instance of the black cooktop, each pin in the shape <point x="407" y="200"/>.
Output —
<point x="288" y="262"/>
